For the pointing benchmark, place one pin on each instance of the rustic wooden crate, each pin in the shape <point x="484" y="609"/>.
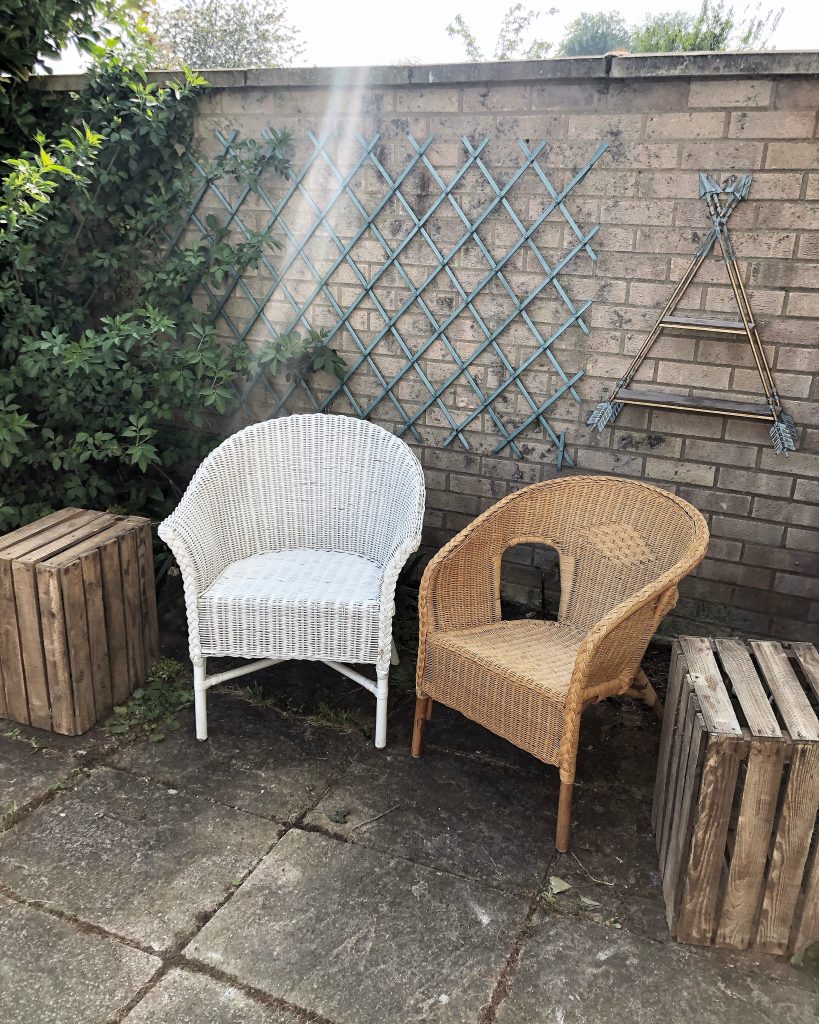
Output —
<point x="737" y="792"/>
<point x="78" y="627"/>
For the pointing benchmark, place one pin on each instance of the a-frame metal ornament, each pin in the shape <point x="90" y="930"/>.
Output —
<point x="721" y="200"/>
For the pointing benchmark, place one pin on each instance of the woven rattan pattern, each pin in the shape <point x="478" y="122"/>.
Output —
<point x="290" y="539"/>
<point x="623" y="546"/>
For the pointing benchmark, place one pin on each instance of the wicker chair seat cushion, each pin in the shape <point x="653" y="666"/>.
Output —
<point x="288" y="604"/>
<point x="512" y="677"/>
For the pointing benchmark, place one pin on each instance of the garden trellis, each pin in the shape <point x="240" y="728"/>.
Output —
<point x="343" y="282"/>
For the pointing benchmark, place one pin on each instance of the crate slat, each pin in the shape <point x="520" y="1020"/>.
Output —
<point x="717" y="710"/>
<point x="78" y="627"/>
<point x="794" y="706"/>
<point x="697" y="918"/>
<point x="793" y="837"/>
<point x="748" y="688"/>
<point x="672" y="707"/>
<point x="809" y="660"/>
<point x="753" y="837"/>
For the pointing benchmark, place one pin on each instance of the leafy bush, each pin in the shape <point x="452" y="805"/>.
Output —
<point x="107" y="365"/>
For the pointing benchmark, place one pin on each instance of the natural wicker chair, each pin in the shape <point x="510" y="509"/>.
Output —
<point x="290" y="539"/>
<point x="623" y="546"/>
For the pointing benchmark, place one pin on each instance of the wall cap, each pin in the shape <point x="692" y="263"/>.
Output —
<point x="610" y="66"/>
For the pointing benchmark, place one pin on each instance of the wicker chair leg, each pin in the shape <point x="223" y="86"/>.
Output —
<point x="383" y="674"/>
<point x="564" y="817"/>
<point x="422" y="708"/>
<point x="642" y="689"/>
<point x="200" y="698"/>
<point x="430" y="702"/>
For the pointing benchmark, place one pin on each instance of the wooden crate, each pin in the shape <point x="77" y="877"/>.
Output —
<point x="737" y="792"/>
<point x="78" y="627"/>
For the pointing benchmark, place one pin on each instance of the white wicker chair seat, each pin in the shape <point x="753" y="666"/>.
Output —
<point x="290" y="539"/>
<point x="283" y="604"/>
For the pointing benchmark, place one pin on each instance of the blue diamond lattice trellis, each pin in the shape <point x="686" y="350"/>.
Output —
<point x="380" y="264"/>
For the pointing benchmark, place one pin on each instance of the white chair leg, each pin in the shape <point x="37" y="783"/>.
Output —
<point x="383" y="675"/>
<point x="394" y="659"/>
<point x="200" y="699"/>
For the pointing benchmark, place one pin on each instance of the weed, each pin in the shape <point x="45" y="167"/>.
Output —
<point x="151" y="710"/>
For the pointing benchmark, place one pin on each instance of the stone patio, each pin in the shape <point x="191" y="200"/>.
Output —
<point x="285" y="872"/>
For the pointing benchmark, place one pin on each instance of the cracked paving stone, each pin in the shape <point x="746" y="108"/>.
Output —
<point x="360" y="937"/>
<point x="51" y="972"/>
<point x="577" y="972"/>
<point x="28" y="772"/>
<point x="449" y="812"/>
<point x="254" y="759"/>
<point x="132" y="857"/>
<point x="185" y="998"/>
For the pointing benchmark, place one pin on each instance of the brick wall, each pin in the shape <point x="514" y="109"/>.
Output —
<point x="665" y="119"/>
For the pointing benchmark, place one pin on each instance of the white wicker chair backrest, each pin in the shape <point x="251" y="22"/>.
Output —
<point x="309" y="481"/>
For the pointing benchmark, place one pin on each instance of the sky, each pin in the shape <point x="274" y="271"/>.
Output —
<point x="357" y="32"/>
<point x="392" y="31"/>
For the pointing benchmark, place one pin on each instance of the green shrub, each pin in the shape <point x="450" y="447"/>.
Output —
<point x="107" y="365"/>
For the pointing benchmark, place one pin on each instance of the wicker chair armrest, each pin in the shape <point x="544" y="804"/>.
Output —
<point x="460" y="586"/>
<point x="195" y="543"/>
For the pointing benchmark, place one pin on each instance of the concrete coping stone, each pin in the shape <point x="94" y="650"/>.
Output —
<point x="609" y="66"/>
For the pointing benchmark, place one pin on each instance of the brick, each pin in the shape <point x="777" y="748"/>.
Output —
<point x="754" y="482"/>
<point x="747" y="530"/>
<point x="740" y="575"/>
<point x="808" y="490"/>
<point x="603" y="126"/>
<point x="794" y="630"/>
<point x="799" y="586"/>
<point x="685" y="126"/>
<point x="797" y="94"/>
<point x="439" y="100"/>
<point x="786" y="512"/>
<point x="803" y="304"/>
<point x="710" y="500"/>
<point x="772" y="124"/>
<point x="798" y="155"/>
<point x="730" y="92"/>
<point x="802" y="540"/>
<point x="782" y="558"/>
<point x="680" y="472"/>
<point x="491" y="98"/>
<point x="722" y="156"/>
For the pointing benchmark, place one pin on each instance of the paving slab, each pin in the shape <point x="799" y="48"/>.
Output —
<point x="462" y="815"/>
<point x="132" y="857"/>
<point x="359" y="936"/>
<point x="577" y="972"/>
<point x="185" y="998"/>
<point x="51" y="972"/>
<point x="28" y="771"/>
<point x="254" y="758"/>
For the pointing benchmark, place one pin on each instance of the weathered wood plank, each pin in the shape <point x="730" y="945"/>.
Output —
<point x="808" y="658"/>
<point x="809" y="925"/>
<point x="746" y="873"/>
<point x="79" y="646"/>
<point x="97" y="637"/>
<point x="115" y="620"/>
<point x="145" y="560"/>
<point x="31" y="644"/>
<point x="55" y="646"/>
<point x="697" y="918"/>
<point x="738" y="666"/>
<point x="673" y="699"/>
<point x="797" y="818"/>
<point x="791" y="700"/>
<point x="134" y="629"/>
<point x="679" y="758"/>
<point x="684" y="818"/>
<point x="715" y="704"/>
<point x="25" y="532"/>
<point x="36" y="546"/>
<point x="11" y="655"/>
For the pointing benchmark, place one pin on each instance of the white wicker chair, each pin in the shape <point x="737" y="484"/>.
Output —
<point x="290" y="539"/>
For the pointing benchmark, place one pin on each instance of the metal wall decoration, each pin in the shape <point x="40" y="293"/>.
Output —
<point x="782" y="430"/>
<point x="373" y="285"/>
